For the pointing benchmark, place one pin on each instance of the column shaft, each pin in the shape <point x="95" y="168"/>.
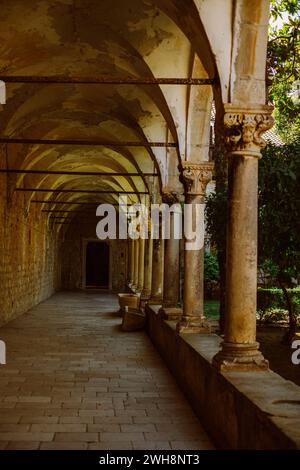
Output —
<point x="171" y="295"/>
<point x="242" y="251"/>
<point x="171" y="273"/>
<point x="148" y="269"/>
<point x="136" y="264"/>
<point x="239" y="348"/>
<point x="196" y="177"/>
<point x="140" y="285"/>
<point x="157" y="272"/>
<point x="129" y="261"/>
<point x="132" y="264"/>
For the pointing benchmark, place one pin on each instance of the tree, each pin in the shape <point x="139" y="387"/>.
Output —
<point x="279" y="171"/>
<point x="211" y="273"/>
<point x="216" y="221"/>
<point x="283" y="61"/>
<point x="283" y="70"/>
<point x="279" y="218"/>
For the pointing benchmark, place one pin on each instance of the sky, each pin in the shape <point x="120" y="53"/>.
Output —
<point x="279" y="21"/>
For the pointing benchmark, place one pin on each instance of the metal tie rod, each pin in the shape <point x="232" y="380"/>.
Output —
<point x="105" y="80"/>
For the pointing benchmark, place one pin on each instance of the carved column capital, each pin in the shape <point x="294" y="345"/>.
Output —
<point x="170" y="197"/>
<point x="244" y="129"/>
<point x="196" y="177"/>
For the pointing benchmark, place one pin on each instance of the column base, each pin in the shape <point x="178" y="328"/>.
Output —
<point x="133" y="287"/>
<point x="145" y="296"/>
<point x="195" y="324"/>
<point x="240" y="357"/>
<point x="155" y="301"/>
<point x="171" y="313"/>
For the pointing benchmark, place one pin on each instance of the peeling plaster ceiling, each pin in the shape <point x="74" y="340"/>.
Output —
<point x="92" y="38"/>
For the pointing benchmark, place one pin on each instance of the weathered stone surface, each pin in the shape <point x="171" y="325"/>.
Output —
<point x="171" y="313"/>
<point x="144" y="135"/>
<point x="196" y="177"/>
<point x="94" y="386"/>
<point x="244" y="138"/>
<point x="133" y="320"/>
<point x="128" y="300"/>
<point x="232" y="404"/>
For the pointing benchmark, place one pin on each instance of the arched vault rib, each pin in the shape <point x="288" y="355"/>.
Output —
<point x="118" y="123"/>
<point x="137" y="41"/>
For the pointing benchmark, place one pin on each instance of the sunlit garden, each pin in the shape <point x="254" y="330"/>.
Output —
<point x="278" y="296"/>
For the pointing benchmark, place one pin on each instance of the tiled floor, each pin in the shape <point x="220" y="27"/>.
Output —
<point x="74" y="380"/>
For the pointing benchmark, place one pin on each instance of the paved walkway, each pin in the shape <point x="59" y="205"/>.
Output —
<point x="74" y="380"/>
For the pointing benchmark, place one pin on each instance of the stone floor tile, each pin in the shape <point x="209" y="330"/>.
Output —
<point x="23" y="445"/>
<point x="148" y="445"/>
<point x="191" y="445"/>
<point x="64" y="446"/>
<point x="121" y="445"/>
<point x="76" y="437"/>
<point x="120" y="436"/>
<point x="94" y="387"/>
<point x="23" y="436"/>
<point x="58" y="427"/>
<point x="104" y="427"/>
<point x="39" y="419"/>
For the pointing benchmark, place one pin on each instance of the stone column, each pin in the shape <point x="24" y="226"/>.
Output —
<point x="243" y="129"/>
<point x="181" y="270"/>
<point x="157" y="272"/>
<point x="129" y="261"/>
<point x="140" y="285"/>
<point x="132" y="264"/>
<point x="170" y="309"/>
<point x="146" y="293"/>
<point x="132" y="275"/>
<point x="136" y="264"/>
<point x="195" y="176"/>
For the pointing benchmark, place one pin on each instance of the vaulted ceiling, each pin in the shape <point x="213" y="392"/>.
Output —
<point x="114" y="40"/>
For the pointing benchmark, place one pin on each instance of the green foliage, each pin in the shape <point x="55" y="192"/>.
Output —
<point x="212" y="309"/>
<point x="279" y="170"/>
<point x="279" y="219"/>
<point x="211" y="267"/>
<point x="286" y="112"/>
<point x="279" y="208"/>
<point x="216" y="217"/>
<point x="273" y="315"/>
<point x="273" y="298"/>
<point x="296" y="303"/>
<point x="216" y="222"/>
<point x="279" y="7"/>
<point x="269" y="268"/>
<point x="283" y="66"/>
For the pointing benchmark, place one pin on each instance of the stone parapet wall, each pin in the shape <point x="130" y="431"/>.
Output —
<point x="240" y="410"/>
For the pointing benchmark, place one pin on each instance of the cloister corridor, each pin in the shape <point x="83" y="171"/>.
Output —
<point x="74" y="380"/>
<point x="119" y="122"/>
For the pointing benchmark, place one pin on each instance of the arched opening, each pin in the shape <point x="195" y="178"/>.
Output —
<point x="107" y="100"/>
<point x="97" y="265"/>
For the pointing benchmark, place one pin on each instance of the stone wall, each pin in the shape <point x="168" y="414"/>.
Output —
<point x="38" y="258"/>
<point x="29" y="263"/>
<point x="73" y="257"/>
<point x="240" y="410"/>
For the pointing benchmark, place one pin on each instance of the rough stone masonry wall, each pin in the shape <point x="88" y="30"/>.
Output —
<point x="29" y="264"/>
<point x="73" y="254"/>
<point x="257" y="410"/>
